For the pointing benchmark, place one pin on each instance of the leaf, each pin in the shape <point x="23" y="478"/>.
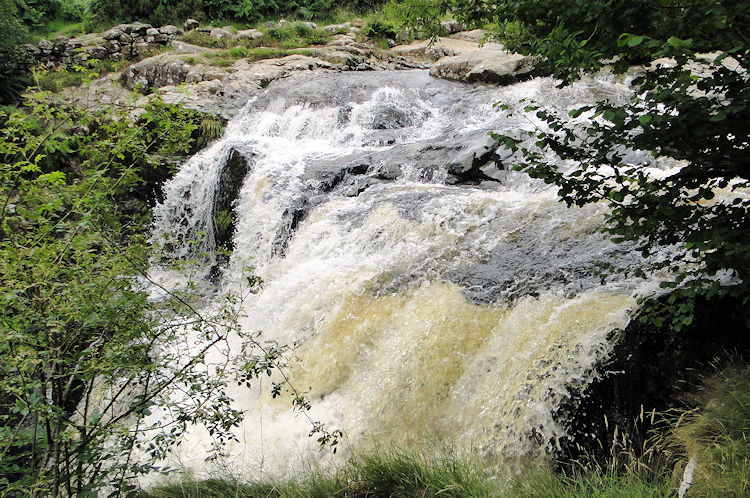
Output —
<point x="645" y="119"/>
<point x="634" y="41"/>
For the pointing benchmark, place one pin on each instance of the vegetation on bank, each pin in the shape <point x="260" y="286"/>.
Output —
<point x="715" y="433"/>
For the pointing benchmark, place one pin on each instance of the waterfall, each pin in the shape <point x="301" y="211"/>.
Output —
<point x="428" y="291"/>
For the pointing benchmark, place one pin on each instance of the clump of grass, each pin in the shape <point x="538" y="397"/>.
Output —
<point x="718" y="435"/>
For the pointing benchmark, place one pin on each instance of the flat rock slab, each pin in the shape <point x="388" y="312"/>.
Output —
<point x="488" y="64"/>
<point x="442" y="47"/>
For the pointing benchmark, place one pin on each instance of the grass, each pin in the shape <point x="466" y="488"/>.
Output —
<point x="393" y="473"/>
<point x="718" y="436"/>
<point x="228" y="57"/>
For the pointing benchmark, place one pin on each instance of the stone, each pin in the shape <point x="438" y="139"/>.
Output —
<point x="112" y="46"/>
<point x="450" y="26"/>
<point x="435" y="50"/>
<point x="337" y="28"/>
<point x="155" y="72"/>
<point x="283" y="22"/>
<point x="191" y="24"/>
<point x="135" y="27"/>
<point x="170" y="30"/>
<point x="485" y="65"/>
<point x="112" y="34"/>
<point x="125" y="38"/>
<point x="475" y="35"/>
<point x="220" y="33"/>
<point x="311" y="25"/>
<point x="98" y="52"/>
<point x="161" y="38"/>
<point x="140" y="48"/>
<point x="45" y="46"/>
<point x="248" y="34"/>
<point x="152" y="32"/>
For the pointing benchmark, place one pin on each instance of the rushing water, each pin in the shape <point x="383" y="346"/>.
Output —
<point x="428" y="294"/>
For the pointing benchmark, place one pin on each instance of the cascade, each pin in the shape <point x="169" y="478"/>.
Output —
<point x="428" y="291"/>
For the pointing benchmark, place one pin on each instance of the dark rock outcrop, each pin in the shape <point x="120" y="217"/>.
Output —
<point x="650" y="368"/>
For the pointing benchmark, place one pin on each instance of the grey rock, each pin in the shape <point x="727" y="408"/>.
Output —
<point x="390" y="118"/>
<point x="45" y="46"/>
<point x="451" y="26"/>
<point x="337" y="28"/>
<point x="248" y="34"/>
<point x="483" y="65"/>
<point x="136" y="27"/>
<point x="219" y="33"/>
<point x="98" y="52"/>
<point x="191" y="24"/>
<point x="152" y="32"/>
<point x="112" y="34"/>
<point x="170" y="30"/>
<point x="112" y="46"/>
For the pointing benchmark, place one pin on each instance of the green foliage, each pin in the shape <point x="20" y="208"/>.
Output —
<point x="87" y="362"/>
<point x="246" y="11"/>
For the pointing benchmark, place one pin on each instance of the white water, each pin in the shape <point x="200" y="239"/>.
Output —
<point x="418" y="310"/>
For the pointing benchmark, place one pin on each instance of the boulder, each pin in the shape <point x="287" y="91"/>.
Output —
<point x="311" y="25"/>
<point x="337" y="28"/>
<point x="248" y="34"/>
<point x="191" y="24"/>
<point x="98" y="52"/>
<point x="450" y="26"/>
<point x="441" y="47"/>
<point x="475" y="35"/>
<point x="484" y="65"/>
<point x="155" y="72"/>
<point x="112" y="34"/>
<point x="152" y="32"/>
<point x="45" y="46"/>
<point x="220" y="33"/>
<point x="135" y="27"/>
<point x="169" y="30"/>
